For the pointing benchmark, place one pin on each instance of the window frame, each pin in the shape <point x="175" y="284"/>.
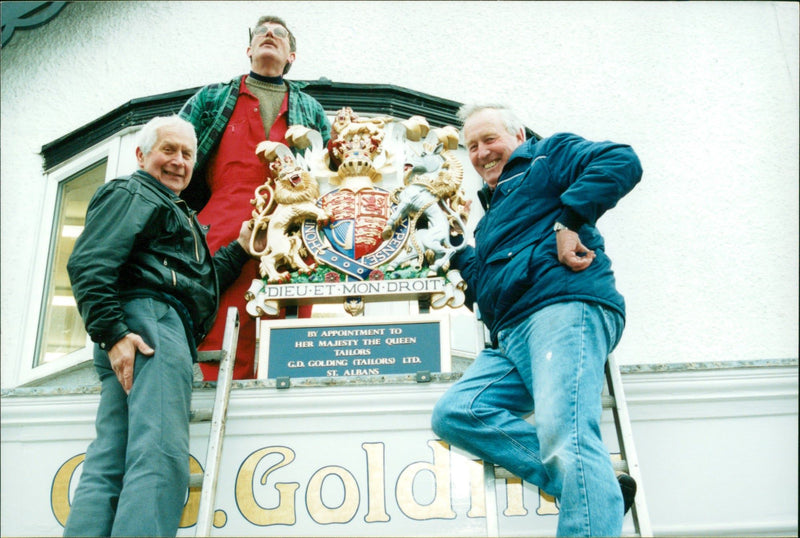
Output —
<point x="113" y="150"/>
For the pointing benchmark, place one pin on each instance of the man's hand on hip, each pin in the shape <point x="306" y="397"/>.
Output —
<point x="123" y="357"/>
<point x="571" y="252"/>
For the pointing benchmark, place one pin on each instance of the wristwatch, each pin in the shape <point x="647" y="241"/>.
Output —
<point x="558" y="227"/>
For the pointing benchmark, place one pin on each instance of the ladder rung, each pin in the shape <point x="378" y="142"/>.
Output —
<point x="620" y="466"/>
<point x="196" y="480"/>
<point x="200" y="415"/>
<point x="502" y="472"/>
<point x="609" y="402"/>
<point x="210" y="356"/>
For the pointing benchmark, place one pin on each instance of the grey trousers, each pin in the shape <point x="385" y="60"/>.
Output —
<point x="136" y="472"/>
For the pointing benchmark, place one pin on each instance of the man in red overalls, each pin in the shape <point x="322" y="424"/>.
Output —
<point x="231" y="118"/>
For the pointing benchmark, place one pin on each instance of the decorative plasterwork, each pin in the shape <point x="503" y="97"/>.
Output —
<point x="26" y="15"/>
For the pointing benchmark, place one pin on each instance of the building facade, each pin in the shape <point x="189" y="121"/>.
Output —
<point x="706" y="94"/>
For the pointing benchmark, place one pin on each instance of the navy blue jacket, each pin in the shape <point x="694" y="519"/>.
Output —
<point x="513" y="270"/>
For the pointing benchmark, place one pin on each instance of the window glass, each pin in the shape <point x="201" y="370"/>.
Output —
<point x="60" y="328"/>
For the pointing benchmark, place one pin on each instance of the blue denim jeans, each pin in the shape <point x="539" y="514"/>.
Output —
<point x="136" y="471"/>
<point x="552" y="364"/>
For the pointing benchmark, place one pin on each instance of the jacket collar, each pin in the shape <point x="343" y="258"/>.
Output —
<point x="485" y="196"/>
<point x="293" y="85"/>
<point x="523" y="151"/>
<point x="154" y="184"/>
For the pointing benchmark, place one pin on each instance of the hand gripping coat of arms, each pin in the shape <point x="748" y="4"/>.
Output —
<point x="383" y="201"/>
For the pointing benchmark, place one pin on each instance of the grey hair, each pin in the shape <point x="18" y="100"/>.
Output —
<point x="512" y="123"/>
<point x="149" y="134"/>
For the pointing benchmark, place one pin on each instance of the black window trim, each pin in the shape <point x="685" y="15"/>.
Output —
<point x="362" y="98"/>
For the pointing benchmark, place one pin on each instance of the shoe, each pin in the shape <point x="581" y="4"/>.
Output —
<point x="628" y="486"/>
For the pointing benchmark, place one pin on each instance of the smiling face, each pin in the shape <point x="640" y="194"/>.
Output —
<point x="269" y="54"/>
<point x="172" y="156"/>
<point x="489" y="143"/>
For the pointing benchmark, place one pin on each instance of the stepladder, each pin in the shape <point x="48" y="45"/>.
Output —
<point x="613" y="401"/>
<point x="217" y="416"/>
<point x="629" y="460"/>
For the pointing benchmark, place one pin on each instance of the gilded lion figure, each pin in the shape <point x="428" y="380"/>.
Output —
<point x="281" y="211"/>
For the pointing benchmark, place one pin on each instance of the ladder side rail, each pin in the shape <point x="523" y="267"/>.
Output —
<point x="205" y="514"/>
<point x="490" y="499"/>
<point x="489" y="476"/>
<point x="641" y="517"/>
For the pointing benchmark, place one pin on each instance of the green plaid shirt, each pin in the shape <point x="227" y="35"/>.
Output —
<point x="211" y="107"/>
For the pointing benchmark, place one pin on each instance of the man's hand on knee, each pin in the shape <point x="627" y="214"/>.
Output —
<point x="123" y="357"/>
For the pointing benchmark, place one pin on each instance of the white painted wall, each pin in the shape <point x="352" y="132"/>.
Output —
<point x="705" y="249"/>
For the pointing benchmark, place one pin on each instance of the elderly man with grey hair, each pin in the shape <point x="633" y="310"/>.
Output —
<point x="545" y="289"/>
<point x="147" y="289"/>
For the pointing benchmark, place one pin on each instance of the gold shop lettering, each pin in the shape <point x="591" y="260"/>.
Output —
<point x="262" y="473"/>
<point x="285" y="512"/>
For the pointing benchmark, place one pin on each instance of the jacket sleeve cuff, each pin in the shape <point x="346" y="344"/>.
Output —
<point x="108" y="340"/>
<point x="238" y="252"/>
<point x="571" y="219"/>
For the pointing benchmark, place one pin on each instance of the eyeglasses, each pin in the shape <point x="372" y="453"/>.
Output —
<point x="278" y="31"/>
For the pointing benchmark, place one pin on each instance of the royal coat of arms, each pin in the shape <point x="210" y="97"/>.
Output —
<point x="381" y="202"/>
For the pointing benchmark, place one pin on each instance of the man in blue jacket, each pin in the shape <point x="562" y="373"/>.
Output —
<point x="546" y="292"/>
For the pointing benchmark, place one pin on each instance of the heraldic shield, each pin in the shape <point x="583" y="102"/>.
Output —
<point x="381" y="201"/>
<point x="354" y="234"/>
<point x="358" y="219"/>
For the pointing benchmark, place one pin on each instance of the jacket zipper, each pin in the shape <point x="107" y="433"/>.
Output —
<point x="194" y="232"/>
<point x="172" y="273"/>
<point x="194" y="236"/>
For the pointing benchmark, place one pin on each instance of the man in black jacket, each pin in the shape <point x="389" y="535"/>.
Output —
<point x="147" y="289"/>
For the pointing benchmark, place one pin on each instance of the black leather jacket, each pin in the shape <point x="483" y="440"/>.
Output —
<point x="142" y="239"/>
